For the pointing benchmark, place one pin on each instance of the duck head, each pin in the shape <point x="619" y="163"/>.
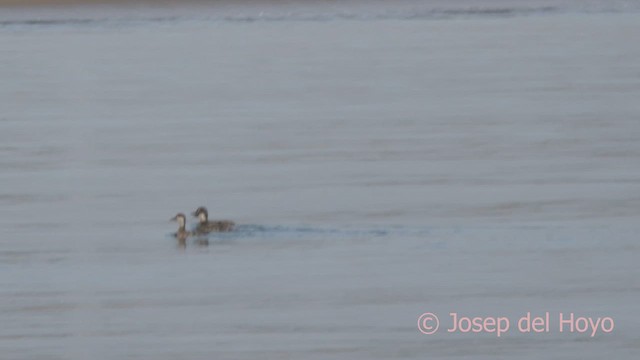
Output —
<point x="181" y="219"/>
<point x="202" y="214"/>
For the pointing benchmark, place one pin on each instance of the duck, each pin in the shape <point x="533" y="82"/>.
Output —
<point x="182" y="234"/>
<point x="205" y="226"/>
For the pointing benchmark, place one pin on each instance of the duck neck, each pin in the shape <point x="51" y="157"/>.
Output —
<point x="203" y="218"/>
<point x="181" y="225"/>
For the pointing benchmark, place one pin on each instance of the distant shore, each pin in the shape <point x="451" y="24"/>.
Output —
<point x="165" y="3"/>
<point x="56" y="3"/>
<point x="29" y="3"/>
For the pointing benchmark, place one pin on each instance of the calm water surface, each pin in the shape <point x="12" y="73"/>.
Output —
<point x="381" y="167"/>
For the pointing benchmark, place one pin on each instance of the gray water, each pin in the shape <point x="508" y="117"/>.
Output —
<point x="380" y="166"/>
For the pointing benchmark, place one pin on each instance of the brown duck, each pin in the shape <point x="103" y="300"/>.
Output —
<point x="205" y="226"/>
<point x="182" y="234"/>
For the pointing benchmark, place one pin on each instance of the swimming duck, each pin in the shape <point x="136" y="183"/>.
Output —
<point x="205" y="226"/>
<point x="182" y="233"/>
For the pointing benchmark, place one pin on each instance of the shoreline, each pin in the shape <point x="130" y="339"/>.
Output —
<point x="21" y="4"/>
<point x="60" y="3"/>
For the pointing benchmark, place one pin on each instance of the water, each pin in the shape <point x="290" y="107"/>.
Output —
<point x="381" y="161"/>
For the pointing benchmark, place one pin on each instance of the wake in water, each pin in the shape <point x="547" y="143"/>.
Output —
<point x="252" y="231"/>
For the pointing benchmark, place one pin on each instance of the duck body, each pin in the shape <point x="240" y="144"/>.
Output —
<point x="182" y="234"/>
<point x="205" y="226"/>
<point x="215" y="226"/>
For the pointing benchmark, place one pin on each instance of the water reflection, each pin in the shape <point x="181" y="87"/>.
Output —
<point x="198" y="242"/>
